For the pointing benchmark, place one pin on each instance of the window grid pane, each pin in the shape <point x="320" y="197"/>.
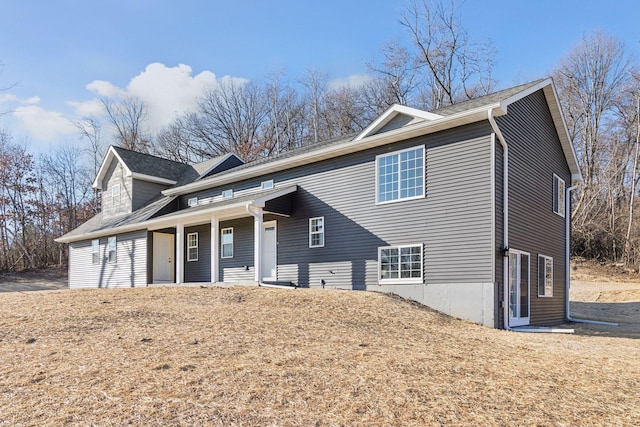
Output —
<point x="192" y="247"/>
<point x="316" y="232"/>
<point x="401" y="175"/>
<point x="227" y="242"/>
<point x="404" y="262"/>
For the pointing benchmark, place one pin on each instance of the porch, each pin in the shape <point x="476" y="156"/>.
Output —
<point x="222" y="240"/>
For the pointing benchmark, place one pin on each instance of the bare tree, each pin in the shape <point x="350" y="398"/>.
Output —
<point x="454" y="67"/>
<point x="128" y="117"/>
<point x="315" y="82"/>
<point x="396" y="78"/>
<point x="230" y="119"/>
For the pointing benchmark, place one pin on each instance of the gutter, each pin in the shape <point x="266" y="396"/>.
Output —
<point x="505" y="213"/>
<point x="567" y="279"/>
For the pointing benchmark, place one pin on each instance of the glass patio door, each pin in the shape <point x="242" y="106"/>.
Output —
<point x="518" y="288"/>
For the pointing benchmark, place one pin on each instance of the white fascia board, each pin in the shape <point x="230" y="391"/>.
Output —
<point x="563" y="133"/>
<point x="111" y="153"/>
<point x="518" y="96"/>
<point x="331" y="151"/>
<point x="151" y="178"/>
<point x="184" y="216"/>
<point x="390" y="113"/>
<point x="558" y="119"/>
<point x="97" y="183"/>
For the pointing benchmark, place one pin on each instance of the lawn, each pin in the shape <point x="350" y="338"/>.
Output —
<point x="255" y="356"/>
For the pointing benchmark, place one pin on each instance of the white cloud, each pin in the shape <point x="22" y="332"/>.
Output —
<point x="7" y="98"/>
<point x="92" y="107"/>
<point x="352" y="81"/>
<point x="104" y="88"/>
<point x="42" y="124"/>
<point x="166" y="91"/>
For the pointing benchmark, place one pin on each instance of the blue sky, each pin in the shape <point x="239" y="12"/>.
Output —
<point x="64" y="55"/>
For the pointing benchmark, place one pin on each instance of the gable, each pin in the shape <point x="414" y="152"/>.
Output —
<point x="140" y="166"/>
<point x="396" y="117"/>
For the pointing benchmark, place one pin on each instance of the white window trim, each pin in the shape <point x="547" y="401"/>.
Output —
<point x="222" y="243"/>
<point x="400" y="280"/>
<point x="559" y="198"/>
<point x="544" y="258"/>
<point x="400" y="199"/>
<point x="115" y="249"/>
<point x="189" y="246"/>
<point x="115" y="195"/>
<point x="95" y="254"/>
<point x="227" y="194"/>
<point x="267" y="185"/>
<point x="312" y="233"/>
<point x="192" y="201"/>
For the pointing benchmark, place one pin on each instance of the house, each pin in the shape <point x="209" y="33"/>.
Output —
<point x="464" y="209"/>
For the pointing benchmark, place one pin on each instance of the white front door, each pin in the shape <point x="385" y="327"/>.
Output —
<point x="269" y="251"/>
<point x="163" y="258"/>
<point x="518" y="288"/>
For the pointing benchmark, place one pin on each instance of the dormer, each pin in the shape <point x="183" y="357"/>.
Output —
<point x="396" y="117"/>
<point x="128" y="180"/>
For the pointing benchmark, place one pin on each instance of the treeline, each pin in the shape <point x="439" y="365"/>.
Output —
<point x="599" y="89"/>
<point x="598" y="83"/>
<point x="42" y="198"/>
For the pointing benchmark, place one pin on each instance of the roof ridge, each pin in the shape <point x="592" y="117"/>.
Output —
<point x="148" y="155"/>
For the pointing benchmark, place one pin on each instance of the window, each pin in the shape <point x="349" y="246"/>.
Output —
<point x="95" y="251"/>
<point x="193" y="201"/>
<point x="192" y="246"/>
<point x="400" y="175"/>
<point x="226" y="194"/>
<point x="545" y="276"/>
<point x="558" y="195"/>
<point x="316" y="232"/>
<point x="227" y="242"/>
<point x="267" y="184"/>
<point x="400" y="264"/>
<point x="111" y="243"/>
<point x="115" y="195"/>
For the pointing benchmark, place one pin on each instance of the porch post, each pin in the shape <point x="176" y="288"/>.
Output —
<point x="257" y="256"/>
<point x="179" y="253"/>
<point x="215" y="244"/>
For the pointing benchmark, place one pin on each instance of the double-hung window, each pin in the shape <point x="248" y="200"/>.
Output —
<point x="111" y="245"/>
<point x="192" y="247"/>
<point x="400" y="264"/>
<point x="226" y="241"/>
<point x="545" y="276"/>
<point x="558" y="195"/>
<point x="95" y="251"/>
<point x="400" y="175"/>
<point x="115" y="195"/>
<point x="316" y="232"/>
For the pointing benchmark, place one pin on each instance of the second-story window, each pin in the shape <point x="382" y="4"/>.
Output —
<point x="115" y="195"/>
<point x="400" y="175"/>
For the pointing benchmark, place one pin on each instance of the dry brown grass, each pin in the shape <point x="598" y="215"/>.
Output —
<point x="254" y="356"/>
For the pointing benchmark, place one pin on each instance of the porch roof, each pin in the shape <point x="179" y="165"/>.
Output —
<point x="151" y="216"/>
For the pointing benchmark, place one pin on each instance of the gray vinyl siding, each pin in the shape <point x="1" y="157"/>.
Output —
<point x="453" y="221"/>
<point x="241" y="266"/>
<point x="535" y="154"/>
<point x="144" y="191"/>
<point x="130" y="269"/>
<point x="200" y="270"/>
<point x="116" y="175"/>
